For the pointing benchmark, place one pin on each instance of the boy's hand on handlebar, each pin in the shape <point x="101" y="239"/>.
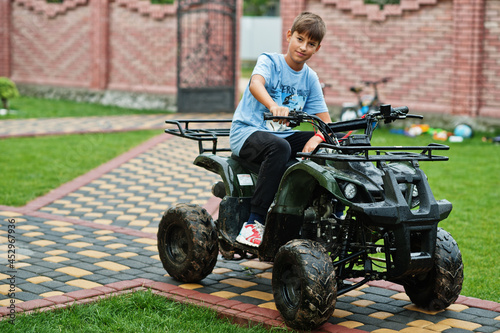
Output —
<point x="312" y="144"/>
<point x="280" y="111"/>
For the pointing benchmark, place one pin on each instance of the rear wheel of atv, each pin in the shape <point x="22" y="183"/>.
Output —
<point x="187" y="243"/>
<point x="304" y="284"/>
<point x="441" y="287"/>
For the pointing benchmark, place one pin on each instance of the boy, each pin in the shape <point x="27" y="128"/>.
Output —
<point x="279" y="83"/>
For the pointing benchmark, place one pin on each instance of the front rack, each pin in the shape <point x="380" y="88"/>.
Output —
<point x="382" y="153"/>
<point x="201" y="135"/>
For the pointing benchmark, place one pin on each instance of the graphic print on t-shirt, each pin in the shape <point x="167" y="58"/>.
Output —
<point x="290" y="97"/>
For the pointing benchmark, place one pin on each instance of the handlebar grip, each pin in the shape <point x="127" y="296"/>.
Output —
<point x="402" y="109"/>
<point x="349" y="125"/>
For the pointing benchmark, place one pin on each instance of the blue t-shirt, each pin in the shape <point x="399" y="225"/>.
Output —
<point x="300" y="91"/>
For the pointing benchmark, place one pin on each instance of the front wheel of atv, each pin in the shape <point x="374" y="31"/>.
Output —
<point x="441" y="287"/>
<point x="187" y="243"/>
<point x="304" y="284"/>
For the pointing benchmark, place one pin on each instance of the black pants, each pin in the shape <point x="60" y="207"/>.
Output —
<point x="273" y="153"/>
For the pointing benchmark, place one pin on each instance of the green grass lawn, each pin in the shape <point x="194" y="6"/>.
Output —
<point x="32" y="166"/>
<point x="141" y="311"/>
<point x="31" y="107"/>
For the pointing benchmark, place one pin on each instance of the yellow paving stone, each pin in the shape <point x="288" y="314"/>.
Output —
<point x="28" y="227"/>
<point x="136" y="199"/>
<point x="146" y="241"/>
<point x="238" y="283"/>
<point x="384" y="330"/>
<point x="381" y="315"/>
<point x="224" y="294"/>
<point x="153" y="248"/>
<point x="341" y="313"/>
<point x="33" y="234"/>
<point x="71" y="237"/>
<point x="256" y="264"/>
<point x="62" y="202"/>
<point x="52" y="293"/>
<point x="4" y="276"/>
<point x="126" y="217"/>
<point x="137" y="210"/>
<point x="22" y="264"/>
<point x="401" y="297"/>
<point x="63" y="229"/>
<point x="413" y="307"/>
<point x="156" y="256"/>
<point x="38" y="279"/>
<point x="56" y="252"/>
<point x="83" y="210"/>
<point x="56" y="223"/>
<point x="420" y="323"/>
<point x="126" y="254"/>
<point x="112" y="266"/>
<point x="466" y="325"/>
<point x="55" y="259"/>
<point x="103" y="221"/>
<point x="84" y="284"/>
<point x="80" y="244"/>
<point x="259" y="295"/>
<point x="85" y="199"/>
<point x="93" y="214"/>
<point x="42" y="242"/>
<point x="6" y="302"/>
<point x="139" y="223"/>
<point x="150" y="230"/>
<point x="9" y="214"/>
<point x="268" y="305"/>
<point x="93" y="254"/>
<point x="73" y="271"/>
<point x="221" y="270"/>
<point x="265" y="275"/>
<point x="437" y="327"/>
<point x="73" y="206"/>
<point x="115" y="246"/>
<point x="149" y="215"/>
<point x="5" y="289"/>
<point x="190" y="286"/>
<point x="457" y="307"/>
<point x="362" y="303"/>
<point x="105" y="238"/>
<point x="351" y="324"/>
<point x="354" y="293"/>
<point x="497" y="318"/>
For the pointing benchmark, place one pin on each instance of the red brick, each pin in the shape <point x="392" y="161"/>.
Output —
<point x="122" y="285"/>
<point x="84" y="293"/>
<point x="59" y="299"/>
<point x="263" y="312"/>
<point x="34" y="304"/>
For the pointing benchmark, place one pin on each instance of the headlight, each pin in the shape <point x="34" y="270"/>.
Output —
<point x="350" y="191"/>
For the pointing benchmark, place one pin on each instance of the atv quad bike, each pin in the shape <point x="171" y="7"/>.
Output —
<point x="345" y="210"/>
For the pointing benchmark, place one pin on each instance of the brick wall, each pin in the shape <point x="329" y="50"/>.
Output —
<point x="443" y="55"/>
<point x="125" y="45"/>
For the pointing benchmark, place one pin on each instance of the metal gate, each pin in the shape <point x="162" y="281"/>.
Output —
<point x="206" y="55"/>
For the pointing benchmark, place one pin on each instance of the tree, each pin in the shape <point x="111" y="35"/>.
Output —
<point x="8" y="90"/>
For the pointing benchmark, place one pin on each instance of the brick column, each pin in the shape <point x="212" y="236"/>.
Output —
<point x="289" y="9"/>
<point x="468" y="17"/>
<point x="5" y="14"/>
<point x="100" y="44"/>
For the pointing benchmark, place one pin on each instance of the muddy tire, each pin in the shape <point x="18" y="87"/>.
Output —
<point x="187" y="243"/>
<point x="441" y="287"/>
<point x="304" y="284"/>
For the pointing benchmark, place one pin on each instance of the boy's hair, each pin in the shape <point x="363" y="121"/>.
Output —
<point x="309" y="24"/>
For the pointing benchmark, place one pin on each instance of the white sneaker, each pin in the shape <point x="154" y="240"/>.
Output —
<point x="251" y="234"/>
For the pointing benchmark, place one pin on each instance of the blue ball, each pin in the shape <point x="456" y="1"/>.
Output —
<point x="463" y="130"/>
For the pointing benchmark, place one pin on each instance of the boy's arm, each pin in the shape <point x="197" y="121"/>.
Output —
<point x="258" y="90"/>
<point x="316" y="140"/>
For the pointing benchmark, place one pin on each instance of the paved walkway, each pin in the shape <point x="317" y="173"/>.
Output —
<point x="96" y="236"/>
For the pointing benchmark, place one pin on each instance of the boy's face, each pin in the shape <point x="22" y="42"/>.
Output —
<point x="300" y="49"/>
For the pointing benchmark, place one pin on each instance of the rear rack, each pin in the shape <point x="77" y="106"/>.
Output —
<point x="201" y="135"/>
<point x="382" y="153"/>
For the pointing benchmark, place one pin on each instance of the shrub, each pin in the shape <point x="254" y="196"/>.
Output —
<point x="8" y="90"/>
